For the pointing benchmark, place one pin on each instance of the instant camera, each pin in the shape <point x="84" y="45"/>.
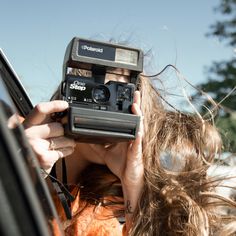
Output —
<point x="100" y="112"/>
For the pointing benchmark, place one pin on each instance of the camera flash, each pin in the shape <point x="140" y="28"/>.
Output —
<point x="126" y="56"/>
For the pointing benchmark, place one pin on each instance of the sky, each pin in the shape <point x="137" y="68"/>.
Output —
<point x="34" y="35"/>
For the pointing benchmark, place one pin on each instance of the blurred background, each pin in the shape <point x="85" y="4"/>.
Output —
<point x="198" y="37"/>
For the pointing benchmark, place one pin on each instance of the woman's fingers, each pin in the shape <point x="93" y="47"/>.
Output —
<point x="48" y="158"/>
<point x="54" y="155"/>
<point x="136" y="104"/>
<point x="41" y="146"/>
<point x="134" y="164"/>
<point x="136" y="109"/>
<point x="137" y="98"/>
<point x="41" y="113"/>
<point x="136" y="147"/>
<point x="60" y="142"/>
<point x="48" y="154"/>
<point x="47" y="137"/>
<point x="45" y="131"/>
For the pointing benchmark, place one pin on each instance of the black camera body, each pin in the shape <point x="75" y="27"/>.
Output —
<point x="100" y="112"/>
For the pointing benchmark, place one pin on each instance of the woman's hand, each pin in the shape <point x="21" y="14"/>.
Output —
<point x="125" y="161"/>
<point x="47" y="136"/>
<point x="129" y="168"/>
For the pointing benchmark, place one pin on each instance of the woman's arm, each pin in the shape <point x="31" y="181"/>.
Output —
<point x="132" y="181"/>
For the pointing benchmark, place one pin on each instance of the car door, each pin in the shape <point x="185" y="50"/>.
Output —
<point x="26" y="205"/>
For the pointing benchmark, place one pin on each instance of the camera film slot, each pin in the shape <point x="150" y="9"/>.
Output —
<point x="85" y="123"/>
<point x="104" y="124"/>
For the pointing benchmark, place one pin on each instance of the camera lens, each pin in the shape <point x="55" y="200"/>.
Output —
<point x="101" y="94"/>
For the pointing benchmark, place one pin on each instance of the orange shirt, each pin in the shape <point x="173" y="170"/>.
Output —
<point x="91" y="221"/>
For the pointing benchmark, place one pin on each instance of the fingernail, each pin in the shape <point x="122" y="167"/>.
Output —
<point x="140" y="134"/>
<point x="64" y="104"/>
<point x="67" y="151"/>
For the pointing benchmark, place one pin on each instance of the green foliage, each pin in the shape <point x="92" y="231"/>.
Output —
<point x="221" y="84"/>
<point x="225" y="29"/>
<point x="227" y="128"/>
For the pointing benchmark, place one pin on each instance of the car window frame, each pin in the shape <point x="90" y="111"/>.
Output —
<point x="23" y="168"/>
<point x="15" y="87"/>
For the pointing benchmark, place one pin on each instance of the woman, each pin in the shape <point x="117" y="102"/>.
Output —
<point x="159" y="181"/>
<point x="124" y="160"/>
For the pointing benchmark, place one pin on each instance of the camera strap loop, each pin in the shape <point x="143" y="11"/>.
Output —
<point x="63" y="193"/>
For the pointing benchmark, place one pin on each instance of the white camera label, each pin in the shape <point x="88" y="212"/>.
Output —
<point x="78" y="86"/>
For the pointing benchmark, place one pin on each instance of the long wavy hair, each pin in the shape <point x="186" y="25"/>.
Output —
<point x="179" y="196"/>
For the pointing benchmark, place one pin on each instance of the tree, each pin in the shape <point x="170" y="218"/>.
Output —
<point x="221" y="83"/>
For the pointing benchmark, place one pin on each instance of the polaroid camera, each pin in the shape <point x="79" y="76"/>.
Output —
<point x="100" y="112"/>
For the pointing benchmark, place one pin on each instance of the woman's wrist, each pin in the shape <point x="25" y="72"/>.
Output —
<point x="131" y="195"/>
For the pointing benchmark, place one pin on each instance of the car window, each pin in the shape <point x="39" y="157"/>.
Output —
<point x="14" y="86"/>
<point x="25" y="201"/>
